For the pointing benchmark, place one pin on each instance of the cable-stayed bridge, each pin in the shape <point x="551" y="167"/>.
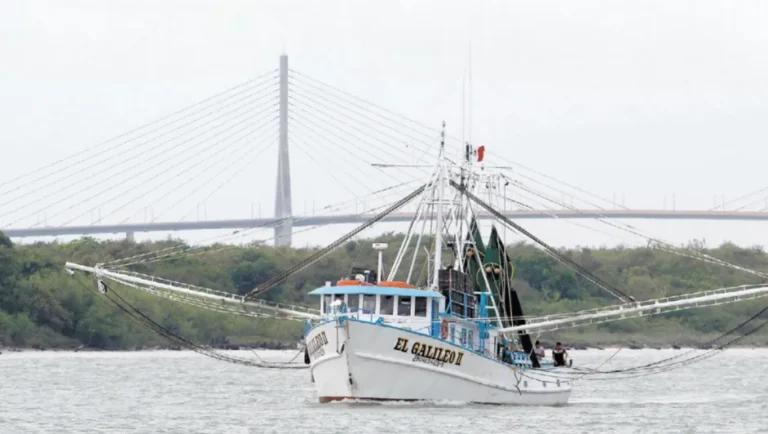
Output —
<point x="189" y="157"/>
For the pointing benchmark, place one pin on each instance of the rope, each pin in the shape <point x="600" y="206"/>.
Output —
<point x="660" y="366"/>
<point x="146" y="321"/>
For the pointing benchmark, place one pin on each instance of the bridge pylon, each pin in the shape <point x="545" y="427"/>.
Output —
<point x="284" y="228"/>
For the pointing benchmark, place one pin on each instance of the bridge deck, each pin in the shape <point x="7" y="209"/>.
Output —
<point x="351" y="219"/>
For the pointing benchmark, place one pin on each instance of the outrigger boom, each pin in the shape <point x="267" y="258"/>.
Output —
<point x="641" y="308"/>
<point x="533" y="324"/>
<point x="210" y="294"/>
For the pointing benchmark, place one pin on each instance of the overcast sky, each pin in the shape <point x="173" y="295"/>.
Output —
<point x="640" y="98"/>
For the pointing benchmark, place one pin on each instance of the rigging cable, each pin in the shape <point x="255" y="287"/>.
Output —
<point x="322" y="252"/>
<point x="566" y="260"/>
<point x="162" y="331"/>
<point x="664" y="365"/>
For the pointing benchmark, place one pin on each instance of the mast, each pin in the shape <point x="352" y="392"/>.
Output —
<point x="440" y="199"/>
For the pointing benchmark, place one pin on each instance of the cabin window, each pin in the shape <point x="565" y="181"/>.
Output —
<point x="369" y="303"/>
<point x="463" y="337"/>
<point x="353" y="301"/>
<point x="420" y="306"/>
<point x="403" y="306"/>
<point x="387" y="305"/>
<point x="471" y="339"/>
<point x="453" y="333"/>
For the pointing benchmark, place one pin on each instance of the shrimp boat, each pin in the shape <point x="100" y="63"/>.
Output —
<point x="389" y="340"/>
<point x="459" y="335"/>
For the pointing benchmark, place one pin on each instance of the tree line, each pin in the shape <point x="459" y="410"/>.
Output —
<point x="42" y="306"/>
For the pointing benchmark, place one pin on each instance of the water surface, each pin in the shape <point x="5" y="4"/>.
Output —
<point x="184" y="392"/>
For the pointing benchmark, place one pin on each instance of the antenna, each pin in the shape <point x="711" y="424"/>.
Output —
<point x="470" y="90"/>
<point x="463" y="106"/>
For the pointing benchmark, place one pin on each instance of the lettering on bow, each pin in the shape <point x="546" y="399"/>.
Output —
<point x="316" y="344"/>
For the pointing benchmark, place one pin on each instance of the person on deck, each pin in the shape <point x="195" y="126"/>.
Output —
<point x="559" y="355"/>
<point x="539" y="351"/>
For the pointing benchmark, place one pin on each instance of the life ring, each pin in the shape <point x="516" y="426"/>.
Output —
<point x="444" y="329"/>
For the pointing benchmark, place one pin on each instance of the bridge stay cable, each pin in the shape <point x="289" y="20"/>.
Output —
<point x="215" y="160"/>
<point x="299" y="123"/>
<point x="314" y="121"/>
<point x="145" y="159"/>
<point x="405" y="119"/>
<point x="199" y="144"/>
<point x="309" y="118"/>
<point x="352" y="115"/>
<point x="89" y="150"/>
<point x="123" y="186"/>
<point x="248" y="158"/>
<point x="210" y="153"/>
<point x="112" y="151"/>
<point x="360" y="122"/>
<point x="306" y="149"/>
<point x="358" y="157"/>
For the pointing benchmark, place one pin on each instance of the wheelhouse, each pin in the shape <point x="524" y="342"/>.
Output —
<point x="378" y="301"/>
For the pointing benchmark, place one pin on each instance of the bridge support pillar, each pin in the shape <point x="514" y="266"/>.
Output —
<point x="130" y="236"/>
<point x="284" y="227"/>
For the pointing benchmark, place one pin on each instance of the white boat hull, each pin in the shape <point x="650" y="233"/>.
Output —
<point x="366" y="361"/>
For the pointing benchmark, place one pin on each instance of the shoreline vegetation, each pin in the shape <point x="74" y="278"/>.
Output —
<point x="42" y="307"/>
